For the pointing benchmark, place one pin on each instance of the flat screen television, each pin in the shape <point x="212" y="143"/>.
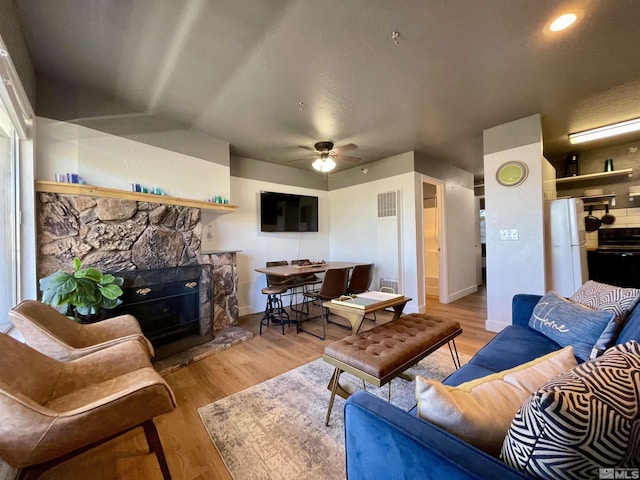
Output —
<point x="285" y="212"/>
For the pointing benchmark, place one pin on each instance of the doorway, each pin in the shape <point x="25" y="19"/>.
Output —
<point x="432" y="236"/>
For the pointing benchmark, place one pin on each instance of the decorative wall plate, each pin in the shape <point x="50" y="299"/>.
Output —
<point x="512" y="173"/>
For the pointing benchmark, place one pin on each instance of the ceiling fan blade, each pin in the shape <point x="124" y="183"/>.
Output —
<point x="307" y="148"/>
<point x="301" y="159"/>
<point x="346" y="158"/>
<point x="345" y="148"/>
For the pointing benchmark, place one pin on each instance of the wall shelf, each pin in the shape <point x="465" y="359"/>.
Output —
<point x="592" y="176"/>
<point x="599" y="200"/>
<point x="92" y="191"/>
<point x="598" y="197"/>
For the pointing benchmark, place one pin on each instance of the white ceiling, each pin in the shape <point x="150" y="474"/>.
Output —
<point x="238" y="69"/>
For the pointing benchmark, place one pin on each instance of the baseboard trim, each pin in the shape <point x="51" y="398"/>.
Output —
<point x="461" y="293"/>
<point x="495" y="326"/>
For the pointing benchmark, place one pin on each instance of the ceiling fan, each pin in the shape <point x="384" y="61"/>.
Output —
<point x="326" y="155"/>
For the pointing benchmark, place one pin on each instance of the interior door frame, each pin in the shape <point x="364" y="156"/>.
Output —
<point x="443" y="273"/>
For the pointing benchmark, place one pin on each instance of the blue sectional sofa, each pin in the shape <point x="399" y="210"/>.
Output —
<point x="383" y="441"/>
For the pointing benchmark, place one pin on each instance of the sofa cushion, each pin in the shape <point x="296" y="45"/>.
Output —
<point x="466" y="373"/>
<point x="631" y="328"/>
<point x="600" y="296"/>
<point x="585" y="419"/>
<point x="480" y="411"/>
<point x="513" y="346"/>
<point x="568" y="323"/>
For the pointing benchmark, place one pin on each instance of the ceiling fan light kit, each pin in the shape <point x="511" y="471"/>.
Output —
<point x="606" y="131"/>
<point x="324" y="164"/>
<point x="326" y="156"/>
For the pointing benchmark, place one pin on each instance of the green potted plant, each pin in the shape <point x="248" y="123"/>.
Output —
<point x="83" y="293"/>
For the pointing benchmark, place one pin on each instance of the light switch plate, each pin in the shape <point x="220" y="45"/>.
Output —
<point x="509" y="234"/>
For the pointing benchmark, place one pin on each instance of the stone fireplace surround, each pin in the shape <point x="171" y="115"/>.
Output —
<point x="115" y="235"/>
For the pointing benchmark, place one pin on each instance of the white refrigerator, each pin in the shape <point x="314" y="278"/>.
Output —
<point x="566" y="242"/>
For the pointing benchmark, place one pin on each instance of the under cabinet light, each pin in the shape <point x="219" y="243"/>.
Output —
<point x="606" y="131"/>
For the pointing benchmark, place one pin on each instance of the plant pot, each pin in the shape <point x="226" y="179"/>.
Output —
<point x="89" y="318"/>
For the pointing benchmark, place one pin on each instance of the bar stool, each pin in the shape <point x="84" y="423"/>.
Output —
<point x="274" y="311"/>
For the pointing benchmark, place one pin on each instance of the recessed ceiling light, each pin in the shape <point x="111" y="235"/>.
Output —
<point x="564" y="21"/>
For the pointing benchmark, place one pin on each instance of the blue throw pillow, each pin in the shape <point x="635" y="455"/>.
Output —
<point x="567" y="323"/>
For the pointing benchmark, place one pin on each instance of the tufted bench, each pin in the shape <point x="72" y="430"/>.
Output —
<point x="378" y="355"/>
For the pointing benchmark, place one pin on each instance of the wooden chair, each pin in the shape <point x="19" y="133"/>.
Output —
<point x="333" y="286"/>
<point x="51" y="411"/>
<point x="50" y="332"/>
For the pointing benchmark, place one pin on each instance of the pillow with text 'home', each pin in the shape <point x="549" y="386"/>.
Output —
<point x="480" y="411"/>
<point x="566" y="323"/>
<point x="581" y="422"/>
<point x="601" y="296"/>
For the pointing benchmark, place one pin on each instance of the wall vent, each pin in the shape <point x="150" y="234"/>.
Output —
<point x="387" y="204"/>
<point x="389" y="285"/>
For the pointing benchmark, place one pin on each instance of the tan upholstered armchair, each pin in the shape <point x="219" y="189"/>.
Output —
<point x="52" y="410"/>
<point x="57" y="336"/>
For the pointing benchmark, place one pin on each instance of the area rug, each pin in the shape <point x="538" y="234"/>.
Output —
<point x="275" y="430"/>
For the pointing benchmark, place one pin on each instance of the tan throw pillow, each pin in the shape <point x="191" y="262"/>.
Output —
<point x="480" y="411"/>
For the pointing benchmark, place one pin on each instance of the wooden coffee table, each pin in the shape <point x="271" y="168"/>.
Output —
<point x="356" y="308"/>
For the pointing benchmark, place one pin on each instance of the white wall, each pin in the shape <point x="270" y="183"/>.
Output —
<point x="241" y="231"/>
<point x="106" y="160"/>
<point x="513" y="266"/>
<point x="354" y="226"/>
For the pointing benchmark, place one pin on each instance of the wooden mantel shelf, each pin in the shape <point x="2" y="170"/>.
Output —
<point x="91" y="191"/>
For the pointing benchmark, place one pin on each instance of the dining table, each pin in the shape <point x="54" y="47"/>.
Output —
<point x="293" y="270"/>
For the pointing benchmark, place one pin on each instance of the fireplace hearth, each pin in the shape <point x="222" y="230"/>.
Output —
<point x="166" y="303"/>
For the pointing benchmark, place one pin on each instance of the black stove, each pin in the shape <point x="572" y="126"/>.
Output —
<point x="619" y="239"/>
<point x="616" y="261"/>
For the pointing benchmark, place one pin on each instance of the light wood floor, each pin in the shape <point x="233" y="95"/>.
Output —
<point x="190" y="453"/>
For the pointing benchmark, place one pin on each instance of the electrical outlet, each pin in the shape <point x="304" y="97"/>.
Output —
<point x="509" y="234"/>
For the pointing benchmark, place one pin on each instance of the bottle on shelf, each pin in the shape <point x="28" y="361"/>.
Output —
<point x="572" y="165"/>
<point x="608" y="165"/>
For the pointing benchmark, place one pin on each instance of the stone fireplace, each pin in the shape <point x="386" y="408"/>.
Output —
<point x="122" y="235"/>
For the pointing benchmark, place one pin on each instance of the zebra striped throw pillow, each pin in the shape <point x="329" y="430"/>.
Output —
<point x="601" y="296"/>
<point x="585" y="419"/>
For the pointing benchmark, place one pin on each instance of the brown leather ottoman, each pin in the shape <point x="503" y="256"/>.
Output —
<point x="384" y="352"/>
